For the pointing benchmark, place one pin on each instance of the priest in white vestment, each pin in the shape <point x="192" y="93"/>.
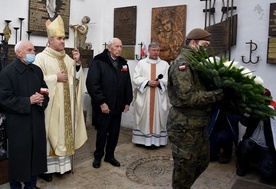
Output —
<point x="151" y="103"/>
<point x="63" y="136"/>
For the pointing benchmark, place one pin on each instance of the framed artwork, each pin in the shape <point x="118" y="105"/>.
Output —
<point x="225" y="33"/>
<point x="271" y="50"/>
<point x="42" y="10"/>
<point x="168" y="28"/>
<point x="272" y="20"/>
<point x="125" y="24"/>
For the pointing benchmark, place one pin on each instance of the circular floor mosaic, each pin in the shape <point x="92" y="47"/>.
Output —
<point x="154" y="171"/>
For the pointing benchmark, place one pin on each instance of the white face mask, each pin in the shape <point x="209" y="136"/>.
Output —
<point x="30" y="58"/>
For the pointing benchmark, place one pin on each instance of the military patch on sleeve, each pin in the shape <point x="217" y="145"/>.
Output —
<point x="181" y="68"/>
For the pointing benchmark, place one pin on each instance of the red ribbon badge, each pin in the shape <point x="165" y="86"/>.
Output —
<point x="273" y="103"/>
<point x="44" y="91"/>
<point x="181" y="68"/>
<point x="124" y="68"/>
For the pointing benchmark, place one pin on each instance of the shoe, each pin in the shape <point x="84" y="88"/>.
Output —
<point x="266" y="180"/>
<point x="153" y="147"/>
<point x="241" y="171"/>
<point x="139" y="145"/>
<point x="224" y="159"/>
<point x="60" y="175"/>
<point x="113" y="162"/>
<point x="96" y="163"/>
<point x="46" y="177"/>
<point x="68" y="172"/>
<point x="35" y="187"/>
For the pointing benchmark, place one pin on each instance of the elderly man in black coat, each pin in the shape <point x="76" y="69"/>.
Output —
<point x="24" y="97"/>
<point x="109" y="85"/>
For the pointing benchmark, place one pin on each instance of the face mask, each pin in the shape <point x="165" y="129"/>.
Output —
<point x="30" y="58"/>
<point x="202" y="48"/>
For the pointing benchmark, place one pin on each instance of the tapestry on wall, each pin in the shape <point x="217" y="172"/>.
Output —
<point x="42" y="10"/>
<point x="168" y="28"/>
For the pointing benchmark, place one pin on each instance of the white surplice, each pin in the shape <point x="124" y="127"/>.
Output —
<point x="144" y="132"/>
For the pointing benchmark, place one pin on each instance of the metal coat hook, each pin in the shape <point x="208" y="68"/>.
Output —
<point x="141" y="56"/>
<point x="253" y="47"/>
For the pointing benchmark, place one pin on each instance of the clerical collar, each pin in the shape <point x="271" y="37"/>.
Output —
<point x="153" y="61"/>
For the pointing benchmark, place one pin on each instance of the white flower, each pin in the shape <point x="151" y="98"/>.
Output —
<point x="258" y="80"/>
<point x="228" y="63"/>
<point x="246" y="72"/>
<point x="213" y="59"/>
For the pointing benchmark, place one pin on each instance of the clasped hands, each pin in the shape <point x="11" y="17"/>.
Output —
<point x="153" y="83"/>
<point x="76" y="55"/>
<point x="36" y="98"/>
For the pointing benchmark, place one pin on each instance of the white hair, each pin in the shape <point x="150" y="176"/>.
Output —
<point x="18" y="46"/>
<point x="111" y="41"/>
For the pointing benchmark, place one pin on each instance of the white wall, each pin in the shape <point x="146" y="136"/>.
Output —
<point x="253" y="18"/>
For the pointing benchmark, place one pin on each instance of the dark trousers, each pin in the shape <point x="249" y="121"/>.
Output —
<point x="28" y="185"/>
<point x="94" y="118"/>
<point x="108" y="129"/>
<point x="222" y="140"/>
<point x="250" y="152"/>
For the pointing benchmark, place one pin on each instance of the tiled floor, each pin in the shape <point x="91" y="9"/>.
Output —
<point x="141" y="168"/>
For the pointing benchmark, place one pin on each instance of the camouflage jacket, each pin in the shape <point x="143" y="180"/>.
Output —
<point x="185" y="89"/>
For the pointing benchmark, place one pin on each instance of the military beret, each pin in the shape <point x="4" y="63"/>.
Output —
<point x="199" y="34"/>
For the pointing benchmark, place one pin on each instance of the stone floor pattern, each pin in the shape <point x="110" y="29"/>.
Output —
<point x="141" y="168"/>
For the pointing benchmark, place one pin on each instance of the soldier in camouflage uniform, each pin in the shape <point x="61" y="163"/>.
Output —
<point x="189" y="115"/>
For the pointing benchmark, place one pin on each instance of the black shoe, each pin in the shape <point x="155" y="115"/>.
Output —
<point x="60" y="175"/>
<point x="46" y="177"/>
<point x="96" y="163"/>
<point x="241" y="171"/>
<point x="266" y="180"/>
<point x="153" y="147"/>
<point x="139" y="145"/>
<point x="112" y="161"/>
<point x="223" y="159"/>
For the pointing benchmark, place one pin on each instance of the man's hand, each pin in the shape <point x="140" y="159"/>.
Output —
<point x="153" y="83"/>
<point x="218" y="94"/>
<point x="62" y="77"/>
<point x="126" y="108"/>
<point x="36" y="98"/>
<point x="105" y="108"/>
<point x="76" y="55"/>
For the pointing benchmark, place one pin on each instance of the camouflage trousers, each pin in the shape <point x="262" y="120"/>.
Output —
<point x="190" y="147"/>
